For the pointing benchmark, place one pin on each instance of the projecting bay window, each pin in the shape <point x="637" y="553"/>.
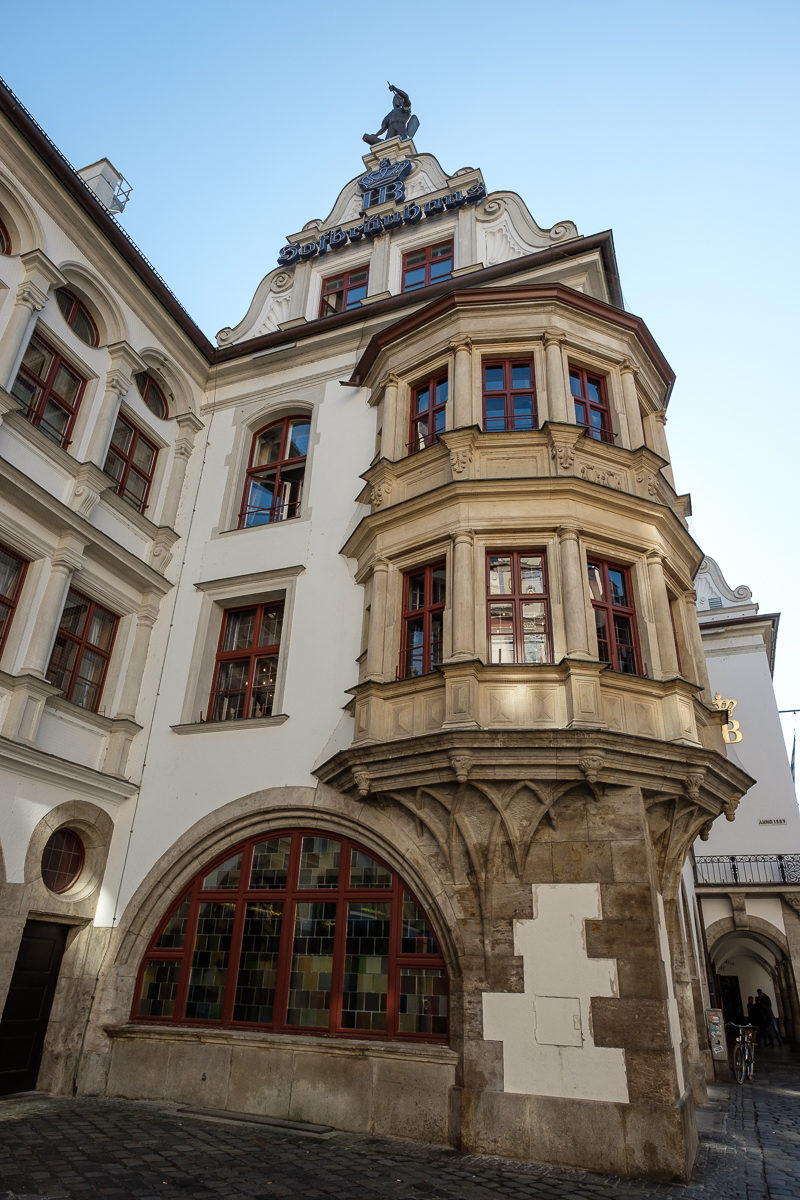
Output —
<point x="509" y="395"/>
<point x="297" y="932"/>
<point x="49" y="390"/>
<point x="274" y="481"/>
<point x="247" y="663"/>
<point x="428" y="412"/>
<point x="518" y="609"/>
<point x="343" y="292"/>
<point x="12" y="573"/>
<point x="614" y="617"/>
<point x="591" y="403"/>
<point x="423" y="620"/>
<point x="79" y="661"/>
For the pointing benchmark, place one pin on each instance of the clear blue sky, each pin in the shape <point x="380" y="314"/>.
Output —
<point x="673" y="124"/>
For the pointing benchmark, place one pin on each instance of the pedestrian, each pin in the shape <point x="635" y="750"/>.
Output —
<point x="760" y="1018"/>
<point x="772" y="1023"/>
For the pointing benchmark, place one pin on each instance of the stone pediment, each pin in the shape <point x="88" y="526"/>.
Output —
<point x="714" y="592"/>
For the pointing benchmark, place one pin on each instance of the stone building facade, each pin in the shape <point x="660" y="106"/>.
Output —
<point x="355" y="716"/>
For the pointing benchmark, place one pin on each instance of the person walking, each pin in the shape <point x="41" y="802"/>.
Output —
<point x="763" y="1000"/>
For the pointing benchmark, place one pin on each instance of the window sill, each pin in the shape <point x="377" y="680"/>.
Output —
<point x="217" y="726"/>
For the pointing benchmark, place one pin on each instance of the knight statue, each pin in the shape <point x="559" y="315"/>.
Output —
<point x="399" y="122"/>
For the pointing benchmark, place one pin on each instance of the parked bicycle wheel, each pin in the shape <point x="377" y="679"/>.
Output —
<point x="739" y="1064"/>
<point x="750" y="1061"/>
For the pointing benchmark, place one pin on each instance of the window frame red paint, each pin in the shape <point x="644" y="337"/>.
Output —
<point x="602" y="432"/>
<point x="427" y="265"/>
<point x="517" y="599"/>
<point x="35" y="413"/>
<point x="279" y="465"/>
<point x="8" y="603"/>
<point x="74" y="309"/>
<point x="83" y="645"/>
<point x="509" y="392"/>
<point x="289" y="896"/>
<point x="344" y="290"/>
<point x="417" y="441"/>
<point x="127" y="457"/>
<point x="626" y="612"/>
<point x="429" y="609"/>
<point x="256" y="650"/>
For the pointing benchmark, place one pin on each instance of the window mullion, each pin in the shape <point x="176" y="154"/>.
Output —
<point x="339" y="940"/>
<point x="188" y="954"/>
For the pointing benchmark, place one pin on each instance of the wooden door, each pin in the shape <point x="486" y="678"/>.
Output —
<point x="27" y="1008"/>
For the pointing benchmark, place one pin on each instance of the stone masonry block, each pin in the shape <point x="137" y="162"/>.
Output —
<point x="632" y="1023"/>
<point x="651" y="1077"/>
<point x="582" y="862"/>
<point x="631" y="862"/>
<point x="620" y="939"/>
<point x="627" y="902"/>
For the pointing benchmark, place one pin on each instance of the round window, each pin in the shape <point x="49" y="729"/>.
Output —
<point x="152" y="394"/>
<point x="62" y="860"/>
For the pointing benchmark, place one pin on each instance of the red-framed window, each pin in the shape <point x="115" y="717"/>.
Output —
<point x="509" y="395"/>
<point x="152" y="394"/>
<point x="79" y="661"/>
<point x="614" y="616"/>
<point x="342" y="292"/>
<point x="428" y="412"/>
<point x="130" y="462"/>
<point x="517" y="607"/>
<point x="77" y="316"/>
<point x="424" y="595"/>
<point x="62" y="860"/>
<point x="297" y="932"/>
<point x="273" y="485"/>
<point x="5" y="240"/>
<point x="591" y="403"/>
<point x="429" y="265"/>
<point x="12" y="575"/>
<point x="49" y="389"/>
<point x="247" y="663"/>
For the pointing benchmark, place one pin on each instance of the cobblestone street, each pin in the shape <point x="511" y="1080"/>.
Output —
<point x="53" y="1148"/>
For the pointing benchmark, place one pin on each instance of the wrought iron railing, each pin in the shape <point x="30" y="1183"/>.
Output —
<point x="747" y="868"/>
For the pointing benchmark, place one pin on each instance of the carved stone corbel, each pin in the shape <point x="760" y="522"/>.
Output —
<point x="461" y="764"/>
<point x="591" y="765"/>
<point x="362" y="781"/>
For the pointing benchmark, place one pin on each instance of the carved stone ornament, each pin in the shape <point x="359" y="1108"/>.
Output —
<point x="564" y="456"/>
<point x="597" y="475"/>
<point x="380" y="493"/>
<point x="730" y="810"/>
<point x="461" y="764"/>
<point x="362" y="781"/>
<point x="649" y="481"/>
<point x="693" y="783"/>
<point x="794" y="902"/>
<point x="460" y="459"/>
<point x="705" y="831"/>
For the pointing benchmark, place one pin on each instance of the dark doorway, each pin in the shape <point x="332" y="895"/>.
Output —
<point x="731" y="998"/>
<point x="27" y="1009"/>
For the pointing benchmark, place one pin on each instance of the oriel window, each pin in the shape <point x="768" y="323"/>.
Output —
<point x="614" y="616"/>
<point x="509" y="395"/>
<point x="423" y="620"/>
<point x="591" y="403"/>
<point x="518" y="608"/>
<point x="428" y="412"/>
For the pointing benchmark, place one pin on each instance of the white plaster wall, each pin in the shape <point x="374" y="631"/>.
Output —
<point x="768" y="908"/>
<point x="673" y="1016"/>
<point x="548" y="1048"/>
<point x="744" y="676"/>
<point x="715" y="908"/>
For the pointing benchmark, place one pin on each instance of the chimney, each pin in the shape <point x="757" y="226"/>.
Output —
<point x="111" y="189"/>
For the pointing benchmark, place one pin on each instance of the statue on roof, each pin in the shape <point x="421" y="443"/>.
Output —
<point x="400" y="122"/>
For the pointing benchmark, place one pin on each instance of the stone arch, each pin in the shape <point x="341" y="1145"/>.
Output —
<point x="87" y="286"/>
<point x="178" y="394"/>
<point x="762" y="955"/>
<point x="282" y="808"/>
<point x="19" y="218"/>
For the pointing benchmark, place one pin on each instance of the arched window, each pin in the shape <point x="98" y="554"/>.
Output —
<point x="152" y="394"/>
<point x="5" y="239"/>
<point x="297" y="932"/>
<point x="77" y="316"/>
<point x="274" y="481"/>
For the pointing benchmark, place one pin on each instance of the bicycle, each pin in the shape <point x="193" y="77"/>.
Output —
<point x="744" y="1054"/>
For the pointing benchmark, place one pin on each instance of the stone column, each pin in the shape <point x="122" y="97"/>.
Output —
<point x="572" y="593"/>
<point x="377" y="620"/>
<point x="124" y="363"/>
<point x="145" y="620"/>
<point x="665" y="634"/>
<point x="188" y="427"/>
<point x="392" y="447"/>
<point x="558" y="408"/>
<point x="462" y="409"/>
<point x="463" y="595"/>
<point x="67" y="559"/>
<point x="631" y="401"/>
<point x="40" y="276"/>
<point x="657" y="423"/>
<point x="696" y="670"/>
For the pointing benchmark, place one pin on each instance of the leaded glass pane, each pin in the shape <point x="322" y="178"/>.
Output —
<point x="159" y="989"/>
<point x="416" y="936"/>
<point x="423" y="1001"/>
<point x="271" y="623"/>
<point x="239" y="630"/>
<point x="366" y="967"/>
<point x="174" y="932"/>
<point x="365" y="872"/>
<point x="258" y="965"/>
<point x="210" y="962"/>
<point x="263" y="692"/>
<point x="226" y="875"/>
<point x="271" y="863"/>
<point x="312" y="960"/>
<point x="319" y="863"/>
